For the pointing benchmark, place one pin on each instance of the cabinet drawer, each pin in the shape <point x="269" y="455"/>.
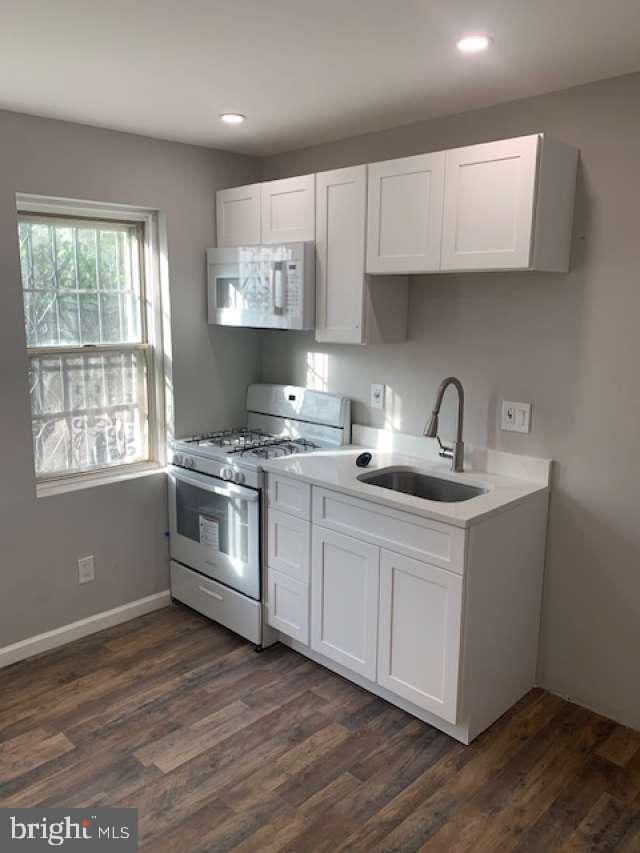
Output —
<point x="417" y="537"/>
<point x="289" y="544"/>
<point x="223" y="605"/>
<point x="291" y="496"/>
<point x="288" y="606"/>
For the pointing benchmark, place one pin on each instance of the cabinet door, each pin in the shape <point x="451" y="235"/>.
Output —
<point x="288" y="606"/>
<point x="404" y="219"/>
<point x="344" y="600"/>
<point x="288" y="210"/>
<point x="341" y="198"/>
<point x="419" y="641"/>
<point x="488" y="206"/>
<point x="238" y="216"/>
<point x="288" y="544"/>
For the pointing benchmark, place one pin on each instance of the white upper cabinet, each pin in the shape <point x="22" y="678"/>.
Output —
<point x="505" y="205"/>
<point x="404" y="225"/>
<point x="489" y="205"/>
<point x="288" y="210"/>
<point x="238" y="216"/>
<point x="509" y="205"/>
<point x="351" y="309"/>
<point x="419" y="636"/>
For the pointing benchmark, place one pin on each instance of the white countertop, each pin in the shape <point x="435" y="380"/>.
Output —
<point x="336" y="469"/>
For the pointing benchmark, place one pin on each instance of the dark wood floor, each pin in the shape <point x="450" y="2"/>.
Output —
<point x="221" y="748"/>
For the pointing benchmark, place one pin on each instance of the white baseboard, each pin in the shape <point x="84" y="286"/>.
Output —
<point x="75" y="630"/>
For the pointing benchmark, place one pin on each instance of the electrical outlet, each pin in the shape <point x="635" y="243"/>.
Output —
<point x="86" y="569"/>
<point x="516" y="417"/>
<point x="377" y="397"/>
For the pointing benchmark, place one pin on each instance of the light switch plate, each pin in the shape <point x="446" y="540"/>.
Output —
<point x="377" y="397"/>
<point x="86" y="569"/>
<point x="516" y="417"/>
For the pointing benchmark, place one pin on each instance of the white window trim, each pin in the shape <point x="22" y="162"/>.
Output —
<point x="158" y="319"/>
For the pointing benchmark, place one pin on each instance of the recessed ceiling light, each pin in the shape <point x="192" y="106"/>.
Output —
<point x="232" y="118"/>
<point x="473" y="44"/>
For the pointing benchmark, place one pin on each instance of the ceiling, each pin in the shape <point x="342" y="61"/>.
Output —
<point x="303" y="72"/>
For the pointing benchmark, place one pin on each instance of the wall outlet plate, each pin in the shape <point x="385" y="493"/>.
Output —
<point x="377" y="397"/>
<point x="516" y="417"/>
<point x="86" y="569"/>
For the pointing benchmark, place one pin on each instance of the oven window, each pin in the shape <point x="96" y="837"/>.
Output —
<point x="218" y="523"/>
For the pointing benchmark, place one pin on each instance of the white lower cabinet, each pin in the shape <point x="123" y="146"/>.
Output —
<point x="419" y="633"/>
<point x="288" y="546"/>
<point x="345" y="576"/>
<point x="441" y="620"/>
<point x="289" y="606"/>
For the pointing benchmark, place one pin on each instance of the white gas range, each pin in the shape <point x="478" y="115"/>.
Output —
<point x="215" y="486"/>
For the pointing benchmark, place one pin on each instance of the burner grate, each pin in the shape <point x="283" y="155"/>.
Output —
<point x="253" y="441"/>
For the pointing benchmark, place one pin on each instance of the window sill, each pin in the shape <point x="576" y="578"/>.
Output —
<point x="88" y="481"/>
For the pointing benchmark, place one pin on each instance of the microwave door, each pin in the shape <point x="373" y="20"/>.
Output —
<point x="238" y="296"/>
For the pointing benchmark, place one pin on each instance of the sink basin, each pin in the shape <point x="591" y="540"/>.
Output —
<point x="420" y="485"/>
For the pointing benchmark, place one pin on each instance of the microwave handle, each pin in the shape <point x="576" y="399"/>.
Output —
<point x="208" y="484"/>
<point x="277" y="287"/>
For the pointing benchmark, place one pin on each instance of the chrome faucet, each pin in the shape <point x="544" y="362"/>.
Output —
<point x="455" y="453"/>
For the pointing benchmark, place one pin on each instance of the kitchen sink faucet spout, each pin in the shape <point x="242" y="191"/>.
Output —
<point x="455" y="453"/>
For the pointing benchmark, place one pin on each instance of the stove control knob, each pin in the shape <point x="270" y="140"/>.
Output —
<point x="238" y="477"/>
<point x="227" y="473"/>
<point x="177" y="459"/>
<point x="189" y="461"/>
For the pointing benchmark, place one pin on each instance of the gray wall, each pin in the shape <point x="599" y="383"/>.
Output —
<point x="121" y="524"/>
<point x="569" y="343"/>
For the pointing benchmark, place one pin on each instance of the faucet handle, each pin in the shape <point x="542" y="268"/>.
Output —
<point x="444" y="451"/>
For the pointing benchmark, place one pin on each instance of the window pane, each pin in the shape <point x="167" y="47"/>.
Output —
<point x="65" y="258"/>
<point x="81" y="282"/>
<point x="42" y="254"/>
<point x="88" y="411"/>
<point x="68" y="318"/>
<point x="110" y="307"/>
<point x="41" y="319"/>
<point x="89" y="319"/>
<point x="87" y="257"/>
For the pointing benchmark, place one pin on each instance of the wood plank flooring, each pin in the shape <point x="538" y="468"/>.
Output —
<point x="221" y="748"/>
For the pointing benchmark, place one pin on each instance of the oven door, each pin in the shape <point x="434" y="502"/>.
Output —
<point x="214" y="528"/>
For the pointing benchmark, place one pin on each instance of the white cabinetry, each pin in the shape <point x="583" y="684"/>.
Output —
<point x="352" y="307"/>
<point x="273" y="212"/>
<point x="344" y="600"/>
<point x="499" y="205"/>
<point x="288" y="210"/>
<point x="442" y="620"/>
<point x="238" y="216"/>
<point x="405" y="214"/>
<point x="489" y="205"/>
<point x="288" y="602"/>
<point x="509" y="205"/>
<point x="288" y="556"/>
<point x="288" y="545"/>
<point x="419" y="633"/>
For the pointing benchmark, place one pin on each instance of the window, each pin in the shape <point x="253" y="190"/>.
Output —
<point x="90" y="360"/>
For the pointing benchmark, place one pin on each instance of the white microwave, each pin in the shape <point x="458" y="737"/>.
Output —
<point x="263" y="287"/>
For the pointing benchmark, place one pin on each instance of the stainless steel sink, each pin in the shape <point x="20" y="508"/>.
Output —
<point x="420" y="485"/>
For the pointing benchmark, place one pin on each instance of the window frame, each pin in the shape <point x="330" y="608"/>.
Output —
<point x="155" y="333"/>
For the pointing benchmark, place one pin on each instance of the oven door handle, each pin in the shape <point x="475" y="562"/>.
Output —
<point x="208" y="484"/>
